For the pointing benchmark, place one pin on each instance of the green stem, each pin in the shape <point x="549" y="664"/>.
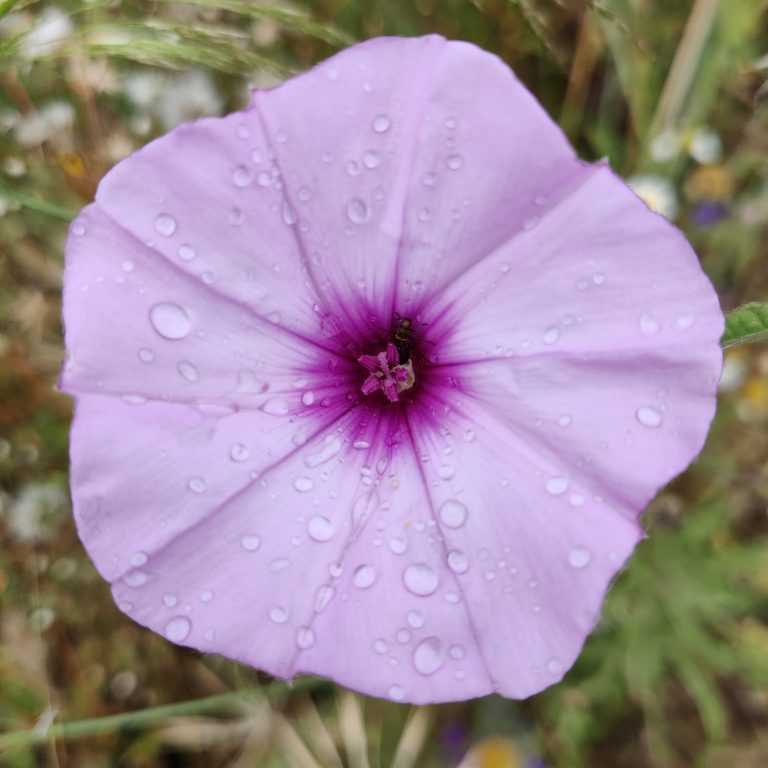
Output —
<point x="36" y="204"/>
<point x="221" y="704"/>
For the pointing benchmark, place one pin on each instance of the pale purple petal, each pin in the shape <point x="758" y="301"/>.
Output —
<point x="231" y="303"/>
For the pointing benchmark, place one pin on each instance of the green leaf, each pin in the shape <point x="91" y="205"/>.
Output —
<point x="746" y="325"/>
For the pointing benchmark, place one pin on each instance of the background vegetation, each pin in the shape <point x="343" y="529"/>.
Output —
<point x="674" y="93"/>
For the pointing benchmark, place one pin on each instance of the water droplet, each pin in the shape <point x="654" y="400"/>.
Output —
<point x="188" y="371"/>
<point x="289" y="215"/>
<point x="135" y="579"/>
<point x="381" y="124"/>
<point x="235" y="216"/>
<point x="170" y="320"/>
<point x="446" y="471"/>
<point x="178" y="628"/>
<point x="648" y="416"/>
<point x="197" y="485"/>
<point x="579" y="557"/>
<point x="551" y="335"/>
<point x="454" y="162"/>
<point x="428" y="656"/>
<point x="186" y="252"/>
<point x="206" y="595"/>
<point x="453" y="513"/>
<point x="137" y="559"/>
<point x="530" y="223"/>
<point x="305" y="637"/>
<point x="281" y="137"/>
<point x="429" y="179"/>
<point x="557" y="485"/>
<point x="598" y="278"/>
<point x="370" y="159"/>
<point x="170" y="600"/>
<point x="450" y="123"/>
<point x="415" y="619"/>
<point x="330" y="448"/>
<point x="304" y="484"/>
<point x="380" y="646"/>
<point x="555" y="666"/>
<point x="396" y="692"/>
<point x="684" y="322"/>
<point x="279" y="615"/>
<point x="279" y="564"/>
<point x="239" y="452"/>
<point x="564" y="420"/>
<point x="403" y="636"/>
<point x="364" y="576"/>
<point x="323" y="596"/>
<point x="425" y="214"/>
<point x="357" y="211"/>
<point x="146" y="355"/>
<point x="361" y="445"/>
<point x="276" y="406"/>
<point x="458" y="561"/>
<point x="577" y="500"/>
<point x="78" y="229"/>
<point x="420" y="579"/>
<point x="127" y="266"/>
<point x="320" y="528"/>
<point x="165" y="224"/>
<point x="241" y="176"/>
<point x="648" y="324"/>
<point x="457" y="652"/>
<point x="398" y="545"/>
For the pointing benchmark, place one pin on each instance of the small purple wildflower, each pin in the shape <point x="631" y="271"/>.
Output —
<point x="266" y="465"/>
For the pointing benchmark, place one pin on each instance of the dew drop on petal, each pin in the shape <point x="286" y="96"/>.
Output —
<point x="165" y="224"/>
<point x="648" y="416"/>
<point x="557" y="485"/>
<point x="305" y="637"/>
<point x="555" y="666"/>
<point x="364" y="576"/>
<point x="135" y="579"/>
<point x="278" y="615"/>
<point x="323" y="596"/>
<point x="551" y="335"/>
<point x="396" y="692"/>
<point x="370" y="159"/>
<point x="420" y="579"/>
<point x="320" y="528"/>
<point x="304" y="484"/>
<point x="330" y="448"/>
<point x="648" y="324"/>
<point x="170" y="320"/>
<point x="242" y="176"/>
<point x="239" y="452"/>
<point x="178" y="628"/>
<point x="415" y="619"/>
<point x="170" y="600"/>
<point x="277" y="406"/>
<point x="137" y="559"/>
<point x="457" y="652"/>
<point x="564" y="420"/>
<point x="446" y="472"/>
<point x="579" y="557"/>
<point x="398" y="545"/>
<point x="357" y="211"/>
<point x="454" y="162"/>
<point x="197" y="485"/>
<point x="186" y="252"/>
<point x="78" y="229"/>
<point x="146" y="355"/>
<point x="428" y="656"/>
<point x="380" y="646"/>
<point x="207" y="595"/>
<point x="453" y="513"/>
<point x="458" y="561"/>
<point x="188" y="371"/>
<point x="381" y="124"/>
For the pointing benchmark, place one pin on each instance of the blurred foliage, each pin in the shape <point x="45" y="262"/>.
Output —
<point x="676" y="673"/>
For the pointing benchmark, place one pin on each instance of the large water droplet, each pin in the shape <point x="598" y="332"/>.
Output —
<point x="428" y="656"/>
<point x="453" y="513"/>
<point x="648" y="416"/>
<point x="381" y="124"/>
<point x="178" y="628"/>
<point x="420" y="579"/>
<point x="165" y="224"/>
<point x="320" y="528"/>
<point x="364" y="576"/>
<point x="579" y="557"/>
<point x="357" y="211"/>
<point x="170" y="320"/>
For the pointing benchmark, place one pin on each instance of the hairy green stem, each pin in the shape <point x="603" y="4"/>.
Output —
<point x="221" y="704"/>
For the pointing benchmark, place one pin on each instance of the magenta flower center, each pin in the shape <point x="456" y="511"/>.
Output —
<point x="387" y="373"/>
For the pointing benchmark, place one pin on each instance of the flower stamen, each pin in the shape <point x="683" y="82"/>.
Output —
<point x="386" y="373"/>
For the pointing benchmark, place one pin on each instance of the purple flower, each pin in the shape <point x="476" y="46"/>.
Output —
<point x="374" y="378"/>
